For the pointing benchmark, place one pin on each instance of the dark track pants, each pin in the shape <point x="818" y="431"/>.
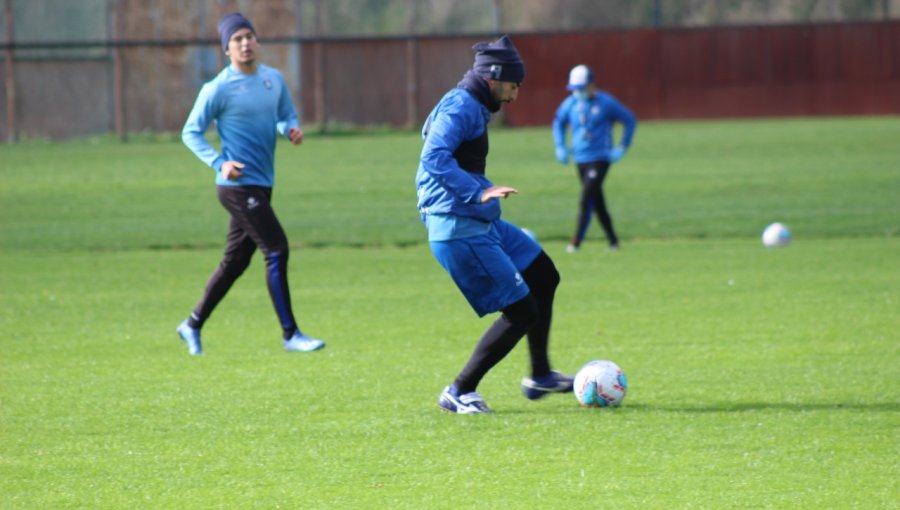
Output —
<point x="253" y="225"/>
<point x="592" y="176"/>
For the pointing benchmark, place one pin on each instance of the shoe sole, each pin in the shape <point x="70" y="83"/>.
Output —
<point x="452" y="411"/>
<point x="445" y="410"/>
<point x="532" y="393"/>
<point x="317" y="348"/>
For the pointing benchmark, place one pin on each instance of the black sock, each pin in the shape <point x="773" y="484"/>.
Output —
<point x="497" y="342"/>
<point x="542" y="278"/>
<point x="194" y="322"/>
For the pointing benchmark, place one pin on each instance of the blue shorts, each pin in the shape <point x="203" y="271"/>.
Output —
<point x="487" y="268"/>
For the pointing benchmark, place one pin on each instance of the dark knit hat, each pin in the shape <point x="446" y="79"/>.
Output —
<point x="231" y="23"/>
<point x="499" y="60"/>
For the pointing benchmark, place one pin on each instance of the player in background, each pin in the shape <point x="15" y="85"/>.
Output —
<point x="495" y="265"/>
<point x="591" y="114"/>
<point x="250" y="105"/>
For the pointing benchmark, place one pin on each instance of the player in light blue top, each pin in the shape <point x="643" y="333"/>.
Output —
<point x="250" y="105"/>
<point x="250" y="110"/>
<point x="591" y="114"/>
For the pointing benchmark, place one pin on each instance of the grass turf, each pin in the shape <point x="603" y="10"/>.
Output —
<point x="758" y="378"/>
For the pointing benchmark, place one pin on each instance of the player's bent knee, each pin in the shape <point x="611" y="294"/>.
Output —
<point x="524" y="312"/>
<point x="234" y="267"/>
<point x="542" y="276"/>
<point x="279" y="254"/>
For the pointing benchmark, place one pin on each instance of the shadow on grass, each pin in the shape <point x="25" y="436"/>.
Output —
<point x="724" y="407"/>
<point x="732" y="407"/>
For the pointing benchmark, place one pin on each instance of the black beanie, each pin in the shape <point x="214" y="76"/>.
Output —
<point x="499" y="60"/>
<point x="231" y="23"/>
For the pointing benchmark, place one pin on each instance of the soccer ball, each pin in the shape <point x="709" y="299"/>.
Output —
<point x="776" y="235"/>
<point x="600" y="383"/>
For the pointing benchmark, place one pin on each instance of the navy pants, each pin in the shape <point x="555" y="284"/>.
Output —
<point x="253" y="225"/>
<point x="592" y="176"/>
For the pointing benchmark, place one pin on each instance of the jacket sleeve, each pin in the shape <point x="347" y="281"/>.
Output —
<point x="194" y="132"/>
<point x="560" y="124"/>
<point x="287" y="115"/>
<point x="447" y="128"/>
<point x="622" y="114"/>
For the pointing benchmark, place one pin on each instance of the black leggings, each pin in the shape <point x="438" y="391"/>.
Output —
<point x="531" y="315"/>
<point x="253" y="225"/>
<point x="592" y="176"/>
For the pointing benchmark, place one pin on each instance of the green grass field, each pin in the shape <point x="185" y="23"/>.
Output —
<point x="758" y="378"/>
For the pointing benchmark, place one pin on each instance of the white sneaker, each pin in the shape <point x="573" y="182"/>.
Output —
<point x="467" y="403"/>
<point x="191" y="338"/>
<point x="302" y="343"/>
<point x="571" y="248"/>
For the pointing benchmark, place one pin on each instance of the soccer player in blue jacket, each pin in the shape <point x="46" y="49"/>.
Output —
<point x="591" y="114"/>
<point x="250" y="105"/>
<point x="495" y="265"/>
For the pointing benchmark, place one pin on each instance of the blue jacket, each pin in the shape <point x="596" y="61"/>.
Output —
<point x="443" y="187"/>
<point x="249" y="111"/>
<point x="592" y="124"/>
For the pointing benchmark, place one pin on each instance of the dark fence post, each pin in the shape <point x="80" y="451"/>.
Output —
<point x="319" y="68"/>
<point x="412" y="82"/>
<point x="10" y="76"/>
<point x="412" y="64"/>
<point x="319" y="83"/>
<point x="118" y="74"/>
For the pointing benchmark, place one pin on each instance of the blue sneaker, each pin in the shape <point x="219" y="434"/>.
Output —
<point x="467" y="403"/>
<point x="554" y="382"/>
<point x="302" y="343"/>
<point x="191" y="338"/>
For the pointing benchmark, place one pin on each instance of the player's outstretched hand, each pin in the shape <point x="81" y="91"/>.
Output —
<point x="295" y="135"/>
<point x="497" y="192"/>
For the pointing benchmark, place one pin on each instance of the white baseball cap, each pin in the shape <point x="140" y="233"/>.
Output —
<point x="580" y="77"/>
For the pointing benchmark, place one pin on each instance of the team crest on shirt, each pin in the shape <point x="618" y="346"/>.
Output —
<point x="267" y="84"/>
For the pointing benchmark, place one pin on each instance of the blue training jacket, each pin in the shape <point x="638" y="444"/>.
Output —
<point x="592" y="124"/>
<point x="443" y="187"/>
<point x="249" y="111"/>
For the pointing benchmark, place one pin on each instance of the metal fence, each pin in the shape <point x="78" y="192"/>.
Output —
<point x="129" y="66"/>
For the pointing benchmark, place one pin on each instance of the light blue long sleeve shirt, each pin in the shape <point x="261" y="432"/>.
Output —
<point x="591" y="122"/>
<point x="249" y="111"/>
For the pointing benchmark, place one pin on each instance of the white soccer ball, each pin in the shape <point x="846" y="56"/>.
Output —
<point x="776" y="235"/>
<point x="600" y="383"/>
